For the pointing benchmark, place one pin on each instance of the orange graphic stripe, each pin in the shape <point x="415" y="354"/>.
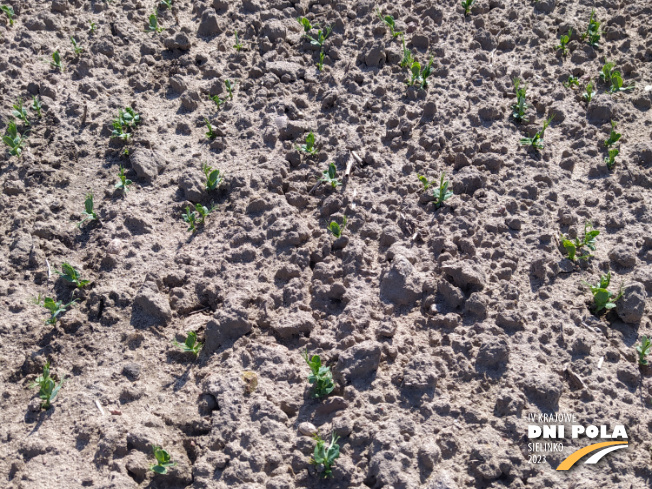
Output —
<point x="578" y="454"/>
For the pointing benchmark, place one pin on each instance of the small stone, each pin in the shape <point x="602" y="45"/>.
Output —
<point x="307" y="429"/>
<point x="631" y="306"/>
<point x="131" y="371"/>
<point x="114" y="247"/>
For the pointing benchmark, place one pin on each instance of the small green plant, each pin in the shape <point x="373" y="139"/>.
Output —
<point x="613" y="135"/>
<point x="571" y="82"/>
<point x="92" y="26"/>
<point x="588" y="92"/>
<point x="48" y="388"/>
<point x="37" y="106"/>
<point x="20" y="112"/>
<point x="238" y="45"/>
<point x="466" y="5"/>
<point x="320" y="63"/>
<point x="166" y="3"/>
<point x="191" y="345"/>
<point x="230" y="86"/>
<point x="613" y="78"/>
<point x="197" y="217"/>
<point x="408" y="58"/>
<point x="574" y="246"/>
<point x="322" y="34"/>
<point x="389" y="20"/>
<point x="325" y="455"/>
<point x="643" y="350"/>
<point x="76" y="47"/>
<point x="70" y="274"/>
<point x="56" y="61"/>
<point x="153" y="24"/>
<point x="602" y="298"/>
<point x="163" y="460"/>
<point x="320" y="375"/>
<point x="610" y="160"/>
<point x="218" y="101"/>
<point x="55" y="307"/>
<point x="419" y="76"/>
<point x="125" y="124"/>
<point x="308" y="148"/>
<point x="520" y="107"/>
<point x="330" y="176"/>
<point x="442" y="194"/>
<point x="213" y="177"/>
<point x="14" y="139"/>
<point x="592" y="34"/>
<point x="9" y="11"/>
<point x="210" y="134"/>
<point x="123" y="181"/>
<point x="536" y="141"/>
<point x="563" y="41"/>
<point x="336" y="229"/>
<point x="89" y="213"/>
<point x="305" y="23"/>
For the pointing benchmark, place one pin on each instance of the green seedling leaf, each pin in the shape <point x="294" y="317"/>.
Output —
<point x="592" y="34"/>
<point x="48" y="389"/>
<point x="163" y="460"/>
<point x="55" y="307"/>
<point x="238" y="46"/>
<point x="218" y="101"/>
<point x="14" y="139"/>
<point x="89" y="211"/>
<point x="389" y="21"/>
<point x="9" y="11"/>
<point x="210" y="134"/>
<point x="308" y="148"/>
<point x="213" y="177"/>
<point x="408" y="58"/>
<point x="123" y="181"/>
<point x="425" y="182"/>
<point x="613" y="78"/>
<point x="574" y="246"/>
<point x="230" y="86"/>
<point x="191" y="345"/>
<point x="20" y="111"/>
<point x="56" y="61"/>
<point x="305" y="23"/>
<point x="125" y="124"/>
<point x="166" y="3"/>
<point x="520" y="107"/>
<point x="330" y="176"/>
<point x="613" y="135"/>
<point x="602" y="298"/>
<point x="442" y="193"/>
<point x="563" y="41"/>
<point x="320" y="63"/>
<point x="70" y="274"/>
<point x="76" y="47"/>
<point x="37" y="106"/>
<point x="325" y="455"/>
<point x="536" y="142"/>
<point x="466" y="5"/>
<point x="610" y="160"/>
<point x="643" y="350"/>
<point x="92" y="26"/>
<point x="153" y="24"/>
<point x="322" y="34"/>
<point x="320" y="376"/>
<point x="571" y="82"/>
<point x="336" y="229"/>
<point x="588" y="92"/>
<point x="196" y="217"/>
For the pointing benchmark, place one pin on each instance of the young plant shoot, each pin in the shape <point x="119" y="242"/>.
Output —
<point x="408" y="58"/>
<point x="9" y="11"/>
<point x="213" y="177"/>
<point x="230" y="86"/>
<point x="197" y="217"/>
<point x="92" y="26"/>
<point x="305" y="23"/>
<point x="571" y="82"/>
<point x="419" y="76"/>
<point x="592" y="34"/>
<point x="123" y="181"/>
<point x="587" y="96"/>
<point x="442" y="194"/>
<point x="163" y="460"/>
<point x="56" y="61"/>
<point x="643" y="350"/>
<point x="613" y="136"/>
<point x="519" y="108"/>
<point x="218" y="101"/>
<point x="602" y="298"/>
<point x="89" y="213"/>
<point x="238" y="45"/>
<point x="71" y="274"/>
<point x="37" y="106"/>
<point x="166" y="3"/>
<point x="309" y="148"/>
<point x="14" y="139"/>
<point x="536" y="142"/>
<point x="320" y="376"/>
<point x="575" y="246"/>
<point x="153" y="24"/>
<point x="210" y="134"/>
<point x="613" y="78"/>
<point x="325" y="455"/>
<point x="563" y="41"/>
<point x="191" y="345"/>
<point x="124" y="125"/>
<point x="76" y="47"/>
<point x="330" y="176"/>
<point x="466" y="5"/>
<point x="48" y="389"/>
<point x="20" y="112"/>
<point x="55" y="307"/>
<point x="610" y="159"/>
<point x="336" y="229"/>
<point x="389" y="20"/>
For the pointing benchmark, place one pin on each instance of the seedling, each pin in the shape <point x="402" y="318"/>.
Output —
<point x="320" y="376"/>
<point x="48" y="389"/>
<point x="70" y="274"/>
<point x="320" y="63"/>
<point x="153" y="24"/>
<point x="466" y="5"/>
<point x="613" y="78"/>
<point x="36" y="106"/>
<point x="563" y="41"/>
<point x="89" y="211"/>
<point x="238" y="46"/>
<point x="408" y="58"/>
<point x="92" y="26"/>
<point x="330" y="176"/>
<point x="336" y="229"/>
<point x="420" y="75"/>
<point x="125" y="124"/>
<point x="305" y="23"/>
<point x="210" y="134"/>
<point x="20" y="111"/>
<point x="572" y="81"/>
<point x="389" y="20"/>
<point x="322" y="34"/>
<point x="308" y="148"/>
<point x="610" y="160"/>
<point x="536" y="142"/>
<point x="56" y="61"/>
<point x="76" y="47"/>
<point x="574" y="246"/>
<point x="123" y="181"/>
<point x="213" y="177"/>
<point x="588" y="92"/>
<point x="592" y="33"/>
<point x="163" y="460"/>
<point x="166" y="3"/>
<point x="191" y="345"/>
<point x="643" y="350"/>
<point x="218" y="101"/>
<point x="442" y="193"/>
<point x="55" y="307"/>
<point x="602" y="298"/>
<point x="613" y="135"/>
<point x="230" y="86"/>
<point x="251" y="381"/>
<point x="196" y="217"/>
<point x="325" y="455"/>
<point x="10" y="13"/>
<point x="14" y="139"/>
<point x="519" y="108"/>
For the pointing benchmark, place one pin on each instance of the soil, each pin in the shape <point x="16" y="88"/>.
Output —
<point x="445" y="327"/>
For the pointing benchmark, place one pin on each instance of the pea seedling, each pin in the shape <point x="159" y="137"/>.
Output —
<point x="218" y="101"/>
<point x="238" y="46"/>
<point x="320" y="63"/>
<point x="56" y="61"/>
<point x="643" y="350"/>
<point x="163" y="460"/>
<point x="196" y="217"/>
<point x="308" y="148"/>
<point x="37" y="106"/>
<point x="536" y="142"/>
<point x="305" y="23"/>
<point x="408" y="58"/>
<point x="20" y="111"/>
<point x="613" y="78"/>
<point x="574" y="246"/>
<point x="389" y="20"/>
<point x="519" y="108"/>
<point x="336" y="229"/>
<point x="89" y="211"/>
<point x="442" y="193"/>
<point x="325" y="455"/>
<point x="14" y="139"/>
<point x="55" y="307"/>
<point x="420" y="75"/>
<point x="572" y="81"/>
<point x="230" y="86"/>
<point x="210" y="134"/>
<point x="125" y="124"/>
<point x="166" y="3"/>
<point x="602" y="298"/>
<point x="466" y="5"/>
<point x="588" y="92"/>
<point x="592" y="33"/>
<point x="71" y="274"/>
<point x="563" y="41"/>
<point x="123" y="181"/>
<point x="48" y="389"/>
<point x="322" y="34"/>
<point x="76" y="47"/>
<point x="153" y="24"/>
<point x="191" y="345"/>
<point x="10" y="13"/>
<point x="610" y="160"/>
<point x="213" y="177"/>
<point x="330" y="176"/>
<point x="92" y="26"/>
<point x="320" y="376"/>
<point x="613" y="135"/>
